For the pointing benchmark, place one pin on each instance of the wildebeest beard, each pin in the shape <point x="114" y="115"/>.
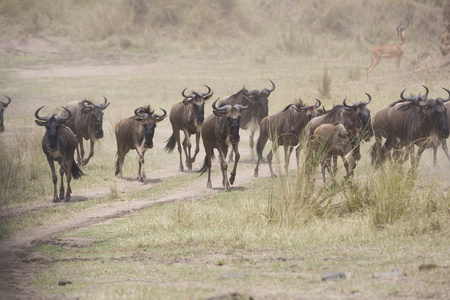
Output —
<point x="149" y="130"/>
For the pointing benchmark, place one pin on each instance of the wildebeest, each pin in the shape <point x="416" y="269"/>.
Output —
<point x="59" y="143"/>
<point x="3" y="105"/>
<point x="354" y="117"/>
<point x="187" y="116"/>
<point x="283" y="129"/>
<point x="218" y="131"/>
<point x="258" y="108"/>
<point x="419" y="123"/>
<point x="136" y="132"/>
<point x="87" y="123"/>
<point x="335" y="140"/>
<point x="442" y="142"/>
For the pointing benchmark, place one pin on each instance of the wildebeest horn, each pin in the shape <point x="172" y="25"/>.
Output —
<point x="63" y="119"/>
<point x="368" y="101"/>
<point x="225" y="107"/>
<point x="240" y="107"/>
<point x="426" y="94"/>
<point x="268" y="91"/>
<point x="445" y="100"/>
<point x="185" y="96"/>
<point x="9" y="101"/>
<point x="317" y="105"/>
<point x="36" y="115"/>
<point x="345" y="103"/>
<point x="137" y="111"/>
<point x="160" y="117"/>
<point x="208" y="94"/>
<point x="86" y="104"/>
<point x="403" y="98"/>
<point x="103" y="105"/>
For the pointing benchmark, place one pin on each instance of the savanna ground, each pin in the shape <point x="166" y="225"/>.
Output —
<point x="172" y="238"/>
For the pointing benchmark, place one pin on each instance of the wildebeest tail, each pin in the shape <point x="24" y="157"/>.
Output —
<point x="76" y="171"/>
<point x="171" y="143"/>
<point x="204" y="168"/>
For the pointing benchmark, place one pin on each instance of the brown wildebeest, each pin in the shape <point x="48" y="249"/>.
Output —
<point x="136" y="132"/>
<point x="335" y="140"/>
<point x="218" y="130"/>
<point x="87" y="123"/>
<point x="421" y="123"/>
<point x="285" y="127"/>
<point x="187" y="116"/>
<point x="258" y="108"/>
<point x="3" y="105"/>
<point x="59" y="143"/>
<point x="389" y="51"/>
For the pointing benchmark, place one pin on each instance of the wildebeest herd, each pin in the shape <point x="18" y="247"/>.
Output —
<point x="322" y="134"/>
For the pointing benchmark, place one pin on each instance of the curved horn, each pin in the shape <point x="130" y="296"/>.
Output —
<point x="445" y="100"/>
<point x="64" y="119"/>
<point x="345" y="103"/>
<point x="137" y="111"/>
<point x="240" y="107"/>
<point x="9" y="101"/>
<point x="36" y="115"/>
<point x="317" y="105"/>
<point x="209" y="90"/>
<point x="225" y="107"/>
<point x="104" y="105"/>
<point x="402" y="97"/>
<point x="426" y="94"/>
<point x="368" y="101"/>
<point x="160" y="117"/>
<point x="182" y="93"/>
<point x="273" y="86"/>
<point x="85" y="103"/>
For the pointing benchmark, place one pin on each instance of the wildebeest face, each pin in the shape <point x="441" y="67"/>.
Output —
<point x="149" y="132"/>
<point x="439" y="111"/>
<point x="148" y="120"/>
<point x="198" y="102"/>
<point x="199" y="108"/>
<point x="97" y="117"/>
<point x="233" y="119"/>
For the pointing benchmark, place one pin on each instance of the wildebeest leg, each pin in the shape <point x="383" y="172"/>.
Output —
<point x="80" y="142"/>
<point x="326" y="166"/>
<point x="445" y="149"/>
<point x="269" y="161"/>
<point x="176" y="134"/>
<point x="187" y="149"/>
<point x="335" y="159"/>
<point x="223" y="150"/>
<point x="230" y="158"/>
<point x="208" y="164"/>
<point x="121" y="152"/>
<point x="141" y="172"/>
<point x="287" y="155"/>
<point x="91" y="152"/>
<point x="54" y="178"/>
<point x="68" y="170"/>
<point x="237" y="156"/>
<point x="252" y="144"/>
<point x="197" y="147"/>
<point x="62" y="170"/>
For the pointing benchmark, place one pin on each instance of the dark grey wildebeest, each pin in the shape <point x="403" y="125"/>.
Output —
<point x="3" y="105"/>
<point x="284" y="129"/>
<point x="86" y="123"/>
<point x="218" y="131"/>
<point x="258" y="108"/>
<point x="187" y="116"/>
<point x="58" y="144"/>
<point x="136" y="132"/>
<point x="421" y="123"/>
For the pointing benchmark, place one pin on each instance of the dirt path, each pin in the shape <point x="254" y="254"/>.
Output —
<point x="18" y="263"/>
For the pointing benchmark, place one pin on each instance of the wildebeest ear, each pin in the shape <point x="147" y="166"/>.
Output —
<point x="219" y="113"/>
<point x="138" y="118"/>
<point x="207" y="97"/>
<point x="40" y="123"/>
<point x="86" y="110"/>
<point x="187" y="101"/>
<point x="344" y="135"/>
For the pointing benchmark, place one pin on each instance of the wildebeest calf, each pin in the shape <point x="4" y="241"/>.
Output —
<point x="59" y="143"/>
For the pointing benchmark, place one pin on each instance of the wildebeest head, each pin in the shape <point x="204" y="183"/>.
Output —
<point x="148" y="120"/>
<point x="96" y="115"/>
<point x="259" y="100"/>
<point x="438" y="110"/>
<point x="311" y="111"/>
<point x="198" y="102"/>
<point x="3" y="105"/>
<point x="52" y="125"/>
<point x="350" y="137"/>
<point x="232" y="113"/>
<point x="363" y="113"/>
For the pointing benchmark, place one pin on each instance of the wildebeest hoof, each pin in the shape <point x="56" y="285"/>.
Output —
<point x="67" y="199"/>
<point x="273" y="176"/>
<point x="140" y="179"/>
<point x="55" y="200"/>
<point x="209" y="185"/>
<point x="231" y="180"/>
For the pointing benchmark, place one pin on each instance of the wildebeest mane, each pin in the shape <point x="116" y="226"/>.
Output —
<point x="234" y="99"/>
<point x="332" y="114"/>
<point x="147" y="110"/>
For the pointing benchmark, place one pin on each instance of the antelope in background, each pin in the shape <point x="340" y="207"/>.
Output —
<point x="389" y="51"/>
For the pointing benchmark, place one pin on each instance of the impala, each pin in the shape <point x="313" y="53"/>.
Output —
<point x="389" y="51"/>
